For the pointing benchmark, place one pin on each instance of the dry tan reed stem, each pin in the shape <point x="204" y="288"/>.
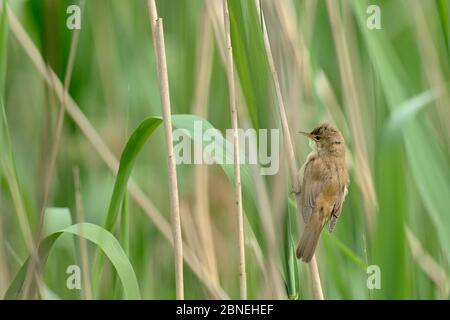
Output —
<point x="153" y="13"/>
<point x="105" y="153"/>
<point x="277" y="288"/>
<point x="160" y="52"/>
<point x="200" y="107"/>
<point x="237" y="168"/>
<point x="87" y="291"/>
<point x="313" y="269"/>
<point x="158" y="42"/>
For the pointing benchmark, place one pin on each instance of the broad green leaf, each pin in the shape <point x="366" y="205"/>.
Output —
<point x="409" y="109"/>
<point x="250" y="59"/>
<point x="125" y="225"/>
<point x="104" y="240"/>
<point x="56" y="219"/>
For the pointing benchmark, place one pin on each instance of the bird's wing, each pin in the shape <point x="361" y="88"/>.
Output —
<point x="336" y="211"/>
<point x="315" y="177"/>
<point x="337" y="208"/>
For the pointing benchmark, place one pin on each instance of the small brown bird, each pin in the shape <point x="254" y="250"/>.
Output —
<point x="323" y="181"/>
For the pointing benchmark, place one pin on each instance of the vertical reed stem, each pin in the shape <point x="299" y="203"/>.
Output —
<point x="158" y="41"/>
<point x="237" y="170"/>
<point x="87" y="290"/>
<point x="200" y="107"/>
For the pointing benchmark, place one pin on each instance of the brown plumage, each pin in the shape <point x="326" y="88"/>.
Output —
<point x="323" y="181"/>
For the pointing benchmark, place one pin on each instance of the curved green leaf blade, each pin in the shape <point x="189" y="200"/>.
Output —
<point x="251" y="61"/>
<point x="129" y="154"/>
<point x="127" y="160"/>
<point x="56" y="219"/>
<point x="104" y="240"/>
<point x="409" y="109"/>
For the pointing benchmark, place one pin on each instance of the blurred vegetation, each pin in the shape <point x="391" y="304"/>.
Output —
<point x="387" y="90"/>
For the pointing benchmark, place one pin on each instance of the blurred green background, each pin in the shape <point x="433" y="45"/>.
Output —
<point x="386" y="89"/>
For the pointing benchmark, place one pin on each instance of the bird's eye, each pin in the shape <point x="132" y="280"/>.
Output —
<point x="317" y="138"/>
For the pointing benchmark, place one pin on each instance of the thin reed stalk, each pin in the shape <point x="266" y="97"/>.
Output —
<point x="313" y="269"/>
<point x="202" y="214"/>
<point x="87" y="291"/>
<point x="264" y="209"/>
<point x="237" y="169"/>
<point x="158" y="42"/>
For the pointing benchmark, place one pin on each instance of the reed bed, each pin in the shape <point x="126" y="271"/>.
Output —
<point x="88" y="173"/>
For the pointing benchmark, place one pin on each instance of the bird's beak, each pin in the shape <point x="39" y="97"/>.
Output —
<point x="306" y="134"/>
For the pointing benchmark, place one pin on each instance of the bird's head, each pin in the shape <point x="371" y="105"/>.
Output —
<point x="326" y="138"/>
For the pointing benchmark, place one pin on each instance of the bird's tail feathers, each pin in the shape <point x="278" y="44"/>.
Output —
<point x="308" y="242"/>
